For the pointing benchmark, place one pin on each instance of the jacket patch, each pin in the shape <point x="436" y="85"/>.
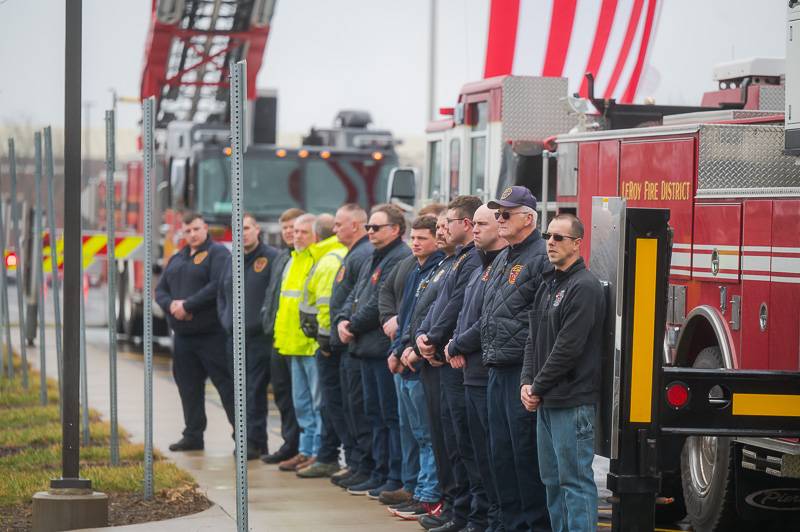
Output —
<point x="438" y="275"/>
<point x="200" y="257"/>
<point x="512" y="277"/>
<point x="559" y="297"/>
<point x="459" y="261"/>
<point x="375" y="276"/>
<point x="485" y="276"/>
<point x="340" y="275"/>
<point x="260" y="264"/>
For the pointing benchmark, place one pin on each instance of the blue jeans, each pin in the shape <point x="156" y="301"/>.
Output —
<point x="307" y="399"/>
<point x="415" y="409"/>
<point x="380" y="407"/>
<point x="565" y="438"/>
<point x="409" y="470"/>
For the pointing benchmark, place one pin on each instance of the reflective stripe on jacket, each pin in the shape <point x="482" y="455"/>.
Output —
<point x="328" y="256"/>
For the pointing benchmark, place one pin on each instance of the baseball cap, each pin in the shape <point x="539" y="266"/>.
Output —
<point x="515" y="196"/>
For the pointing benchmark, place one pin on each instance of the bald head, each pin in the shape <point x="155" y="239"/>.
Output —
<point x="484" y="230"/>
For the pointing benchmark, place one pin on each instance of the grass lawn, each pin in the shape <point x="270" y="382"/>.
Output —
<point x="30" y="455"/>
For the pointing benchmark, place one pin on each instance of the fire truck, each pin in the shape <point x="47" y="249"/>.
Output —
<point x="728" y="174"/>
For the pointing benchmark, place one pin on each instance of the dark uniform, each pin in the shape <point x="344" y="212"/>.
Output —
<point x="199" y="343"/>
<point x="358" y="454"/>
<point x="257" y="272"/>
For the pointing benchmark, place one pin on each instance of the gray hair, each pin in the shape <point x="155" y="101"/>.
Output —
<point x="323" y="226"/>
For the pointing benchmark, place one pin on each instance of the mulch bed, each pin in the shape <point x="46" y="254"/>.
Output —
<point x="124" y="508"/>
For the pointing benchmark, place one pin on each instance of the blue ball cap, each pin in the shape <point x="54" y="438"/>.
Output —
<point x="515" y="196"/>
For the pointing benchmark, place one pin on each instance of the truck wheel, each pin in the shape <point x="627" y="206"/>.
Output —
<point x="707" y="470"/>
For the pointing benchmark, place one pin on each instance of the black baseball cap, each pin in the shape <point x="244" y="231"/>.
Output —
<point x="515" y="196"/>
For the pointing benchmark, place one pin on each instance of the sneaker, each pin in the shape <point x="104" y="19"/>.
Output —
<point x="277" y="457"/>
<point x="291" y="463"/>
<point x="450" y="526"/>
<point x="394" y="497"/>
<point x="185" y="444"/>
<point x="318" y="470"/>
<point x="429" y="522"/>
<point x="363" y="488"/>
<point x="401" y="506"/>
<point x="353" y="480"/>
<point x="413" y="511"/>
<point x="344" y="472"/>
<point x="338" y="478"/>
<point x="388" y="486"/>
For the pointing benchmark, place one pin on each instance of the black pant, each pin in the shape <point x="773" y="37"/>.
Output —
<point x="469" y="503"/>
<point x="334" y="423"/>
<point x="432" y="385"/>
<point x="360" y="456"/>
<point x="195" y="358"/>
<point x="478" y="422"/>
<point x="258" y="350"/>
<point x="281" y="375"/>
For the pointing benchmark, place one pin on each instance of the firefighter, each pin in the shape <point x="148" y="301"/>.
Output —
<point x="257" y="260"/>
<point x="187" y="292"/>
<point x="292" y="343"/>
<point x="280" y="373"/>
<point x="315" y="320"/>
<point x="362" y="328"/>
<point x="560" y="376"/>
<point x="431" y="338"/>
<point x="349" y="227"/>
<point x="515" y="276"/>
<point x="464" y="350"/>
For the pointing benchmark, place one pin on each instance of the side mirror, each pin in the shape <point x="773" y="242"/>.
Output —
<point x="402" y="187"/>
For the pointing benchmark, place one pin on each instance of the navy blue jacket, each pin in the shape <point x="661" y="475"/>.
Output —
<point x="441" y="320"/>
<point x="257" y="273"/>
<point x="467" y="336"/>
<point x="193" y="278"/>
<point x="344" y="283"/>
<point x="426" y="301"/>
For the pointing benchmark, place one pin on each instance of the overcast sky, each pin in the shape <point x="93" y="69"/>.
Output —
<point x="324" y="55"/>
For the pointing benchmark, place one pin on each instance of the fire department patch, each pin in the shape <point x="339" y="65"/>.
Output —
<point x="558" y="298"/>
<point x="512" y="277"/>
<point x="485" y="276"/>
<point x="260" y="264"/>
<point x="200" y="257"/>
<point x="376" y="276"/>
<point x="459" y="261"/>
<point x="340" y="275"/>
<point x="438" y="275"/>
<point x="506" y="193"/>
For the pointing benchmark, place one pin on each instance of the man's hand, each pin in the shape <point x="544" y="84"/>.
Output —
<point x="457" y="361"/>
<point x="344" y="333"/>
<point x="425" y="347"/>
<point x="530" y="401"/>
<point x="394" y="364"/>
<point x="390" y="327"/>
<point x="409" y="358"/>
<point x="177" y="310"/>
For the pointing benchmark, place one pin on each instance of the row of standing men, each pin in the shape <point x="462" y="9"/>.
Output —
<point x="458" y="374"/>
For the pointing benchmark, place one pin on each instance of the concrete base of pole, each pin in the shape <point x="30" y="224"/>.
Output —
<point x="69" y="509"/>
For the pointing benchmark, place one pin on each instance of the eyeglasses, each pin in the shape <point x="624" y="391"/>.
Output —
<point x="506" y="215"/>
<point x="375" y="227"/>
<point x="451" y="220"/>
<point x="557" y="237"/>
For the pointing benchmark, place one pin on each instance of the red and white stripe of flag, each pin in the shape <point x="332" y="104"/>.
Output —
<point x="610" y="38"/>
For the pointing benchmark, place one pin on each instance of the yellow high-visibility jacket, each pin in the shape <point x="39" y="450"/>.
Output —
<point x="289" y="338"/>
<point x="328" y="255"/>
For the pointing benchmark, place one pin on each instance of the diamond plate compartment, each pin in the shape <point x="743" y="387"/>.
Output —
<point x="772" y="98"/>
<point x="743" y="157"/>
<point x="533" y="110"/>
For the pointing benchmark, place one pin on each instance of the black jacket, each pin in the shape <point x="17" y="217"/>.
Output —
<point x="467" y="336"/>
<point x="562" y="356"/>
<point x="344" y="283"/>
<point x="193" y="278"/>
<point x="441" y="320"/>
<point x="391" y="294"/>
<point x="273" y="292"/>
<point x="515" y="276"/>
<point x="426" y="301"/>
<point x="361" y="307"/>
<point x="257" y="273"/>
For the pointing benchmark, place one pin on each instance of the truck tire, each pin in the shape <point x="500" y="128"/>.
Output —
<point x="707" y="470"/>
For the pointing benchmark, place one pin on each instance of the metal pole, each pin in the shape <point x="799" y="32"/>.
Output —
<point x="54" y="282"/>
<point x="70" y="443"/>
<point x="432" y="61"/>
<point x="37" y="267"/>
<point x="4" y="297"/>
<point x="112" y="274"/>
<point x="15" y="215"/>
<point x="84" y="380"/>
<point x="545" y="187"/>
<point x="238" y="121"/>
<point x="149" y="170"/>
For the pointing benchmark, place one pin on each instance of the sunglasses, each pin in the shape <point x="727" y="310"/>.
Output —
<point x="557" y="237"/>
<point x="375" y="227"/>
<point x="506" y="215"/>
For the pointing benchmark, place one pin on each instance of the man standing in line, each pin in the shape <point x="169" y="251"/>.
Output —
<point x="363" y="328"/>
<point x="349" y="228"/>
<point x="561" y="376"/>
<point x="291" y="342"/>
<point x="431" y="338"/>
<point x="315" y="320"/>
<point x="187" y="292"/>
<point x="515" y="276"/>
<point x="464" y="350"/>
<point x="280" y="373"/>
<point x="257" y="261"/>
